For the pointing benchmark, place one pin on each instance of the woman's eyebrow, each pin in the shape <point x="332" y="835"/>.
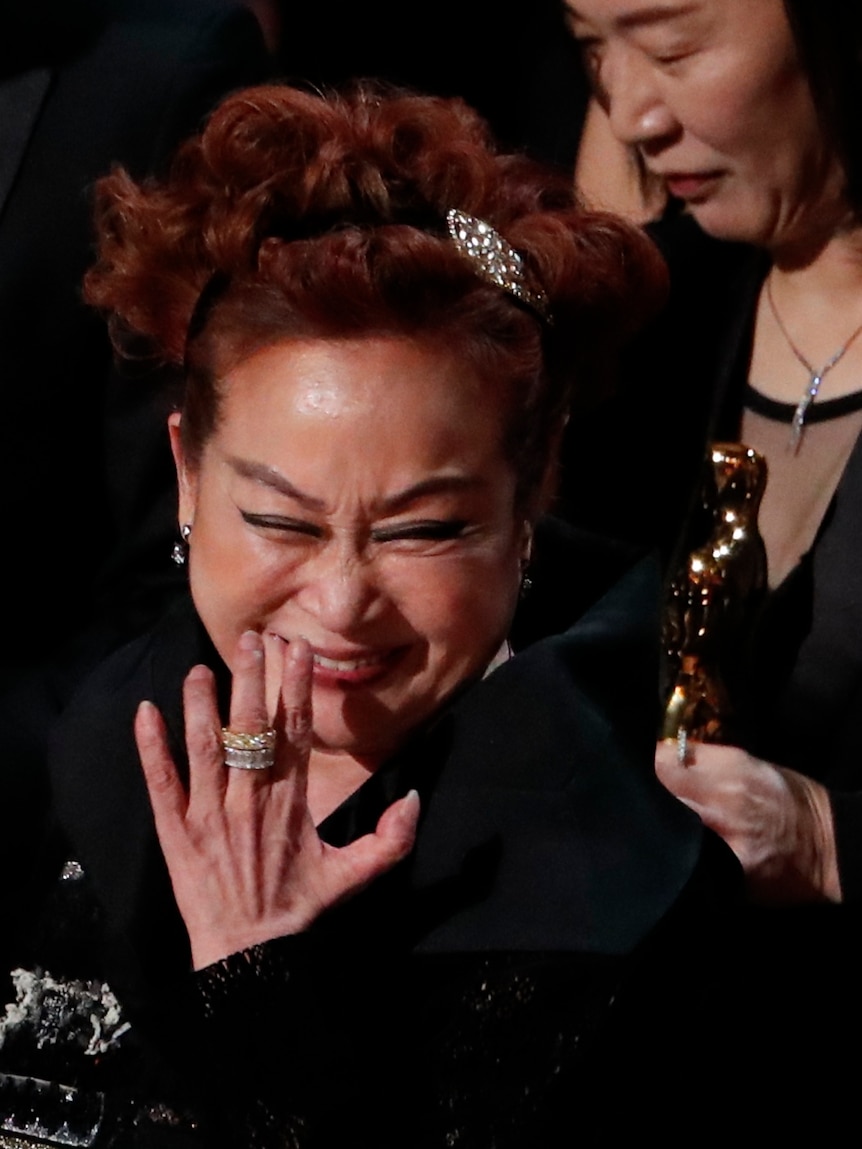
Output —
<point x="270" y="477"/>
<point x="643" y="17"/>
<point x="658" y="14"/>
<point x="390" y="504"/>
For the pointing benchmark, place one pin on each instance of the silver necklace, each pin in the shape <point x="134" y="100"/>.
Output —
<point x="816" y="377"/>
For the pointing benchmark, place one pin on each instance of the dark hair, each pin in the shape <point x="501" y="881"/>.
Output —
<point x="296" y="215"/>
<point x="829" y="37"/>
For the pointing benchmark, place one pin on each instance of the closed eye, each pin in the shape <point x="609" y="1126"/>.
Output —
<point x="672" y="55"/>
<point x="433" y="530"/>
<point x="282" y="523"/>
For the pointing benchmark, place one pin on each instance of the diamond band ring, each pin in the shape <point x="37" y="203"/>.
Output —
<point x="244" y="751"/>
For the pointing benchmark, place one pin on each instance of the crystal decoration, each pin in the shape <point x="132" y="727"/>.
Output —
<point x="494" y="259"/>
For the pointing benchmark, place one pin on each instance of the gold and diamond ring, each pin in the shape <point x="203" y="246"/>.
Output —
<point x="245" y="751"/>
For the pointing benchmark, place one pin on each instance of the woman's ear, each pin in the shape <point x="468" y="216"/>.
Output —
<point x="527" y="541"/>
<point x="186" y="474"/>
<point x="547" y="491"/>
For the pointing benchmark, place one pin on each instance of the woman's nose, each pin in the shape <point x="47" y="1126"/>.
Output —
<point x="637" y="110"/>
<point x="339" y="589"/>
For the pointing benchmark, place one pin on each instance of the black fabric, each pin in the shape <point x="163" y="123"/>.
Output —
<point x="467" y="996"/>
<point x="820" y="412"/>
<point x="631" y="468"/>
<point x="21" y="99"/>
<point x="87" y="498"/>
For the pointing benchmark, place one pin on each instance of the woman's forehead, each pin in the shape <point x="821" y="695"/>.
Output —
<point x="631" y="15"/>
<point x="346" y="400"/>
<point x="331" y="377"/>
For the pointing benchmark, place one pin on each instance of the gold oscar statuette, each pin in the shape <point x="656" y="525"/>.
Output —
<point x="712" y="597"/>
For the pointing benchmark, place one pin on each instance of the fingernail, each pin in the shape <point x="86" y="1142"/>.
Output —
<point x="250" y="641"/>
<point x="298" y="649"/>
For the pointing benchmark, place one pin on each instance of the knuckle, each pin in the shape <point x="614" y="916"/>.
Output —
<point x="209" y="825"/>
<point x="298" y="721"/>
<point x="161" y="780"/>
<point x="205" y="742"/>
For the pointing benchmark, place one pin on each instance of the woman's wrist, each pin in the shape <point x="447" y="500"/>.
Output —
<point x="812" y="867"/>
<point x="213" y="950"/>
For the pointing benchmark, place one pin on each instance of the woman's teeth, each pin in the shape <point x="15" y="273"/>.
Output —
<point x="345" y="664"/>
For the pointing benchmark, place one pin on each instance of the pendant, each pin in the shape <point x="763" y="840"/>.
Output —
<point x="798" y="424"/>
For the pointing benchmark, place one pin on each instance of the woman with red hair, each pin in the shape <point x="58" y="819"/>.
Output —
<point x="399" y="831"/>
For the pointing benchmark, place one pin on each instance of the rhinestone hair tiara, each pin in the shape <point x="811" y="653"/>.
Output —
<point x="494" y="259"/>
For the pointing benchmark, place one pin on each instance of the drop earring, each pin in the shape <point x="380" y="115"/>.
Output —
<point x="526" y="582"/>
<point x="181" y="549"/>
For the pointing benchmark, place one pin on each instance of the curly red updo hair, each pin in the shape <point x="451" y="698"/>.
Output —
<point x="294" y="215"/>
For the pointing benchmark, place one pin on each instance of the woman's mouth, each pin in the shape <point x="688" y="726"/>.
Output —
<point x="691" y="186"/>
<point x="343" y="664"/>
<point x="342" y="668"/>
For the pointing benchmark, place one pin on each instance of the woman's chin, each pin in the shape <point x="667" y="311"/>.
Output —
<point x="366" y="725"/>
<point x="369" y="749"/>
<point x="736" y="219"/>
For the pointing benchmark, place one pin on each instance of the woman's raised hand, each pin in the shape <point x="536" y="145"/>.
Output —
<point x="245" y="859"/>
<point x="777" y="822"/>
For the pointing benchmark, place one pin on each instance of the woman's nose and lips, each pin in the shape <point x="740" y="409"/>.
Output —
<point x="343" y="599"/>
<point x="641" y="117"/>
<point x="343" y="614"/>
